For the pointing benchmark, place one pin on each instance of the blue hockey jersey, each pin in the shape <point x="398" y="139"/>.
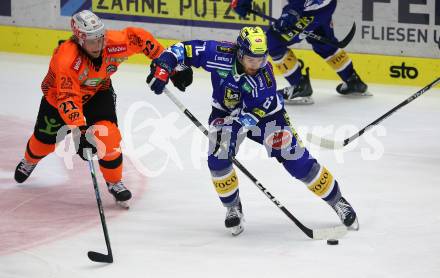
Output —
<point x="255" y="95"/>
<point x="306" y="5"/>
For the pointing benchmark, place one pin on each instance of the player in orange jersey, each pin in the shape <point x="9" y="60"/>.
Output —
<point x="78" y="93"/>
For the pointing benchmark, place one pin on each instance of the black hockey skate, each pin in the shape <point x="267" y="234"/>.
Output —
<point x="23" y="170"/>
<point x="234" y="218"/>
<point x="300" y="94"/>
<point x="347" y="214"/>
<point x="120" y="193"/>
<point x="353" y="86"/>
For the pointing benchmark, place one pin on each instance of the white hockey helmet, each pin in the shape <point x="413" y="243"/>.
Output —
<point x="87" y="26"/>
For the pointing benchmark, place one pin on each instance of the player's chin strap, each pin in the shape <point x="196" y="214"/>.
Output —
<point x="331" y="144"/>
<point x="337" y="44"/>
<point x="324" y="233"/>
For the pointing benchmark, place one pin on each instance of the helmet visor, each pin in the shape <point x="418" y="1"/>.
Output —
<point x="254" y="62"/>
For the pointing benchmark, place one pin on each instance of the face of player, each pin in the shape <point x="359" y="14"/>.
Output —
<point x="251" y="65"/>
<point x="94" y="47"/>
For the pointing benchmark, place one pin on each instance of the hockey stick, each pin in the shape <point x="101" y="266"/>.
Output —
<point x="337" y="44"/>
<point x="96" y="256"/>
<point x="324" y="233"/>
<point x="330" y="144"/>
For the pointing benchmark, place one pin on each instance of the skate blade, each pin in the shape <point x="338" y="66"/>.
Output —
<point x="236" y="230"/>
<point x="358" y="94"/>
<point x="123" y="204"/>
<point x="354" y="226"/>
<point x="299" y="101"/>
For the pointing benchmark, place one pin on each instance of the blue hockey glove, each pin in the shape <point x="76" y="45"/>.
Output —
<point x="160" y="70"/>
<point x="287" y="21"/>
<point x="247" y="119"/>
<point x="241" y="7"/>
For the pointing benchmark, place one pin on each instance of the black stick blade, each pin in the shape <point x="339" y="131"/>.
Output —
<point x="348" y="38"/>
<point x="99" y="257"/>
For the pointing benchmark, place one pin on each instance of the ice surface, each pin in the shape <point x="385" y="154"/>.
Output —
<point x="174" y="227"/>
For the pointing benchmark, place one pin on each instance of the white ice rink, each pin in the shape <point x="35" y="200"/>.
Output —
<point x="175" y="225"/>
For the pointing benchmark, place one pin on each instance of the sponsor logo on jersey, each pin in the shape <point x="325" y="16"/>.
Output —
<point x="116" y="59"/>
<point x="218" y="122"/>
<point x="84" y="74"/>
<point x="247" y="87"/>
<point x="50" y="123"/>
<point x="224" y="49"/>
<point x="279" y="139"/>
<point x="92" y="82"/>
<point x="111" y="68"/>
<point x="257" y="111"/>
<point x="76" y="65"/>
<point x="267" y="78"/>
<point x="114" y="49"/>
<point x="223" y="73"/>
<point x="223" y="59"/>
<point x="231" y="98"/>
<point x="188" y="51"/>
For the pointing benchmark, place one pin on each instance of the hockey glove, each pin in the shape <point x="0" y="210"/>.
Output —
<point x="182" y="78"/>
<point x="241" y="7"/>
<point x="83" y="141"/>
<point x="247" y="119"/>
<point x="160" y="70"/>
<point x="287" y="21"/>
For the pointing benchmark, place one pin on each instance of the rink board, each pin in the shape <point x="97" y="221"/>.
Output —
<point x="382" y="69"/>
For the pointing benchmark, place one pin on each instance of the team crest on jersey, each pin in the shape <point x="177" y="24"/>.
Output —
<point x="224" y="49"/>
<point x="279" y="139"/>
<point x="231" y="98"/>
<point x="76" y="65"/>
<point x="115" y="49"/>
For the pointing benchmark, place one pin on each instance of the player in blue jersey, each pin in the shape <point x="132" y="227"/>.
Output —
<point x="245" y="103"/>
<point x="309" y="15"/>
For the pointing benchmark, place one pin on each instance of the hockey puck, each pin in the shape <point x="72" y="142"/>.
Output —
<point x="332" y="242"/>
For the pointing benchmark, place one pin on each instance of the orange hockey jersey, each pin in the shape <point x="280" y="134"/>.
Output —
<point x="72" y="78"/>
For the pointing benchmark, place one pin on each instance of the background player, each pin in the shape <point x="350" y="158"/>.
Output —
<point x="246" y="103"/>
<point x="78" y="93"/>
<point x="310" y="15"/>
